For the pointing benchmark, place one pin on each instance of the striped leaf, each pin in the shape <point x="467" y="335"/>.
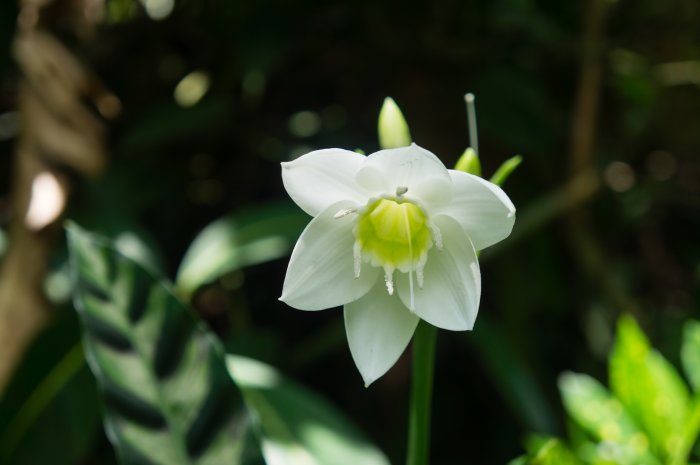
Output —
<point x="167" y="395"/>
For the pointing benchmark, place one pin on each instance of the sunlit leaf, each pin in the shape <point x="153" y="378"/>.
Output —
<point x="239" y="240"/>
<point x="296" y="426"/>
<point x="602" y="416"/>
<point x="549" y="451"/>
<point x="167" y="395"/>
<point x="650" y="389"/>
<point x="690" y="353"/>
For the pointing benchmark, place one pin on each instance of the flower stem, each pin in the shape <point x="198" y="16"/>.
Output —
<point x="421" y="394"/>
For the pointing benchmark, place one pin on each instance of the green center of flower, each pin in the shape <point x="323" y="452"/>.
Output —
<point x="394" y="234"/>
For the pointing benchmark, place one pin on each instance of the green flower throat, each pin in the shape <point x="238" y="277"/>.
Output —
<point x="394" y="233"/>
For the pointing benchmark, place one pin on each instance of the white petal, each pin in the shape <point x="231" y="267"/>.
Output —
<point x="481" y="207"/>
<point x="449" y="298"/>
<point x="412" y="167"/>
<point x="379" y="327"/>
<point x="323" y="177"/>
<point x="321" y="270"/>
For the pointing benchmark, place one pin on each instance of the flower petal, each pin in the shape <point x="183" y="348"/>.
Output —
<point x="379" y="327"/>
<point x="321" y="270"/>
<point x="320" y="178"/>
<point x="481" y="208"/>
<point x="449" y="298"/>
<point x="412" y="167"/>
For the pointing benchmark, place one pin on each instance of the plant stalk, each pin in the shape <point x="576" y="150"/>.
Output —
<point x="421" y="394"/>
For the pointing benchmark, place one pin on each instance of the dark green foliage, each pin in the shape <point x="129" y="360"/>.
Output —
<point x="49" y="413"/>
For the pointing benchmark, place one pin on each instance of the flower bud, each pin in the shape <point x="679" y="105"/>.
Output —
<point x="469" y="162"/>
<point x="393" y="129"/>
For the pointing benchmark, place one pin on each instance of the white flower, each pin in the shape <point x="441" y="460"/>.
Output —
<point x="393" y="239"/>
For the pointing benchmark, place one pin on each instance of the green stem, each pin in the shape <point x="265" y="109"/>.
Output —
<point x="421" y="394"/>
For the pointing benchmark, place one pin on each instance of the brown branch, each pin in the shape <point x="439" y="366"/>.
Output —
<point x="584" y="126"/>
<point x="590" y="255"/>
<point x="58" y="130"/>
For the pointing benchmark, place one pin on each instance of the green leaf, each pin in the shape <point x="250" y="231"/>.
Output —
<point x="295" y="425"/>
<point x="469" y="162"/>
<point x="691" y="429"/>
<point x="523" y="460"/>
<point x="650" y="389"/>
<point x="239" y="240"/>
<point x="505" y="170"/>
<point x="690" y="353"/>
<point x="3" y="242"/>
<point x="392" y="127"/>
<point x="167" y="395"/>
<point x="602" y="416"/>
<point x="550" y="451"/>
<point x="49" y="412"/>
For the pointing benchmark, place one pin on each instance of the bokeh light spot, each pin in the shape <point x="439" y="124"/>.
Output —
<point x="192" y="88"/>
<point x="304" y="124"/>
<point x="619" y="176"/>
<point x="158" y="9"/>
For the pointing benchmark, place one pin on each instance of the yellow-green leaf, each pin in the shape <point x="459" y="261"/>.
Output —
<point x="690" y="353"/>
<point x="650" y="389"/>
<point x="604" y="418"/>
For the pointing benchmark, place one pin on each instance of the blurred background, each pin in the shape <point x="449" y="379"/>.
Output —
<point x="148" y="120"/>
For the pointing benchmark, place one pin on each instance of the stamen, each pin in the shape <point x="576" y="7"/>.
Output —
<point x="436" y="234"/>
<point x="344" y="212"/>
<point x="357" y="258"/>
<point x="420" y="266"/>
<point x="389" y="279"/>
<point x="407" y="225"/>
<point x="400" y="191"/>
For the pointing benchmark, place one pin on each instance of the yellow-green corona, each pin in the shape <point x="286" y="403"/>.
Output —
<point x="394" y="234"/>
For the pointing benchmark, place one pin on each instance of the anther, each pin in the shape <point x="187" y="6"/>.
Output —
<point x="357" y="258"/>
<point x="420" y="266"/>
<point x="389" y="279"/>
<point x="401" y="190"/>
